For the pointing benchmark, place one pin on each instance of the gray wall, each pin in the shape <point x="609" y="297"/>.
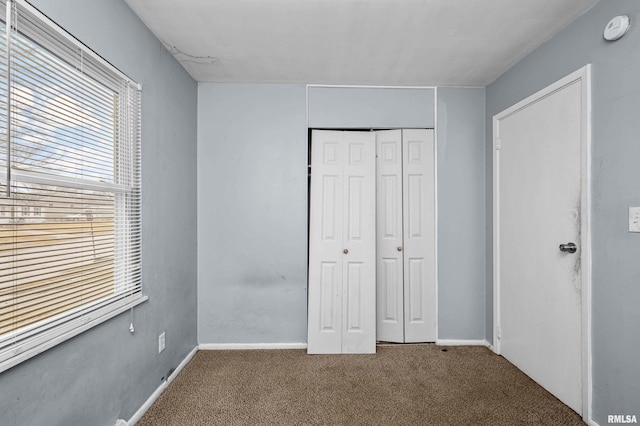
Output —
<point x="364" y="107"/>
<point x="252" y="213"/>
<point x="107" y="373"/>
<point x="615" y="187"/>
<point x="252" y="202"/>
<point x="461" y="213"/>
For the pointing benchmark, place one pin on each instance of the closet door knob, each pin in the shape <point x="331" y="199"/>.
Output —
<point x="399" y="248"/>
<point x="345" y="251"/>
<point x="569" y="247"/>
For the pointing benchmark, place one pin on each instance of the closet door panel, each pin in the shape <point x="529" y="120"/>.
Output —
<point x="325" y="243"/>
<point x="389" y="265"/>
<point x="359" y="274"/>
<point x="419" y="235"/>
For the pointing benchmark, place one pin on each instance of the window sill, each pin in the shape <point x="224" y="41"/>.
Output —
<point x="14" y="355"/>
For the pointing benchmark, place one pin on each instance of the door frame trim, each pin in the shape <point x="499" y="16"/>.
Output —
<point x="583" y="75"/>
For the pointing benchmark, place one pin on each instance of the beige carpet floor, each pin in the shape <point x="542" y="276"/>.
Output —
<point x="400" y="385"/>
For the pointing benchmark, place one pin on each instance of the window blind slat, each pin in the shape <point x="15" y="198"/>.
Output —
<point x="58" y="118"/>
<point x="39" y="64"/>
<point x="42" y="292"/>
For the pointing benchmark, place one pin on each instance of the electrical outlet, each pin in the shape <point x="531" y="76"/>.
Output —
<point x="634" y="219"/>
<point x="161" y="342"/>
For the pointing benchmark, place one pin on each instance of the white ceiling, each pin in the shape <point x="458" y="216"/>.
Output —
<point x="363" y="42"/>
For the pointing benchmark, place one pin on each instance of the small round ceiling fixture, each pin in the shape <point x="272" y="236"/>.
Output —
<point x="617" y="27"/>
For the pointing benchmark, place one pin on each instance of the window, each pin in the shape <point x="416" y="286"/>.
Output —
<point x="69" y="154"/>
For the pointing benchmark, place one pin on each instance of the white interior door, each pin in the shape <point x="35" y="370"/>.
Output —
<point x="406" y="289"/>
<point x="540" y="195"/>
<point x="342" y="243"/>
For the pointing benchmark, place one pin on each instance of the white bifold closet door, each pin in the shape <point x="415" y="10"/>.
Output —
<point x="406" y="289"/>
<point x="342" y="246"/>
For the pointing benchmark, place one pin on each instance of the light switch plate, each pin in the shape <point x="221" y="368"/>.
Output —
<point x="634" y="219"/>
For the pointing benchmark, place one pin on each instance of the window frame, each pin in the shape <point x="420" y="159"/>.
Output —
<point x="38" y="337"/>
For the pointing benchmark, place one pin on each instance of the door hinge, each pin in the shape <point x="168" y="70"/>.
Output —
<point x="498" y="144"/>
<point x="498" y="332"/>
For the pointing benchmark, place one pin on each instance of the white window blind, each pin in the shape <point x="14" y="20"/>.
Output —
<point x="70" y="230"/>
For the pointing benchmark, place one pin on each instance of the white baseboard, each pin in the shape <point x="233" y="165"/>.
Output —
<point x="453" y="342"/>
<point x="149" y="402"/>
<point x="593" y="423"/>
<point x="249" y="346"/>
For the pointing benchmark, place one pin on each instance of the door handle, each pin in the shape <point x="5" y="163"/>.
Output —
<point x="345" y="251"/>
<point x="399" y="248"/>
<point x="568" y="248"/>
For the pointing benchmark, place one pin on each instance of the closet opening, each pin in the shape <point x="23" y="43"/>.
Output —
<point x="370" y="193"/>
